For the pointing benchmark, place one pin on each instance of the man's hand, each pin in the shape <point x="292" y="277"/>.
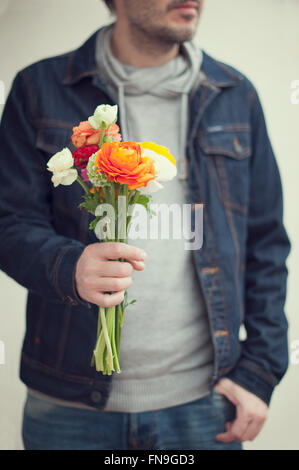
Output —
<point x="251" y="415"/>
<point x="97" y="273"/>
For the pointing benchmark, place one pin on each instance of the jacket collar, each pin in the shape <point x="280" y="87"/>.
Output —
<point x="82" y="63"/>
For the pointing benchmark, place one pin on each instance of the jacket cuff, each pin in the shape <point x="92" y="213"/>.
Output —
<point x="250" y="376"/>
<point x="64" y="275"/>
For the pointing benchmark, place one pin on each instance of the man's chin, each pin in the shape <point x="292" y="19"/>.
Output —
<point x="183" y="33"/>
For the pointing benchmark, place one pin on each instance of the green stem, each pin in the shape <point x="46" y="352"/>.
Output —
<point x="98" y="335"/>
<point x="113" y="345"/>
<point x="118" y="318"/>
<point x="106" y="336"/>
<point x="99" y="352"/>
<point x="110" y="320"/>
<point x="102" y="136"/>
<point x="84" y="186"/>
<point x="133" y="200"/>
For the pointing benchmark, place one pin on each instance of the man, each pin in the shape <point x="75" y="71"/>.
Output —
<point x="187" y="382"/>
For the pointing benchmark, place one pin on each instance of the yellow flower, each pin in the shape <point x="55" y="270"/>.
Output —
<point x="160" y="150"/>
<point x="164" y="163"/>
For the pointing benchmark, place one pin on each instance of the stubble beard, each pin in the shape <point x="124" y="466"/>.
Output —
<point x="159" y="38"/>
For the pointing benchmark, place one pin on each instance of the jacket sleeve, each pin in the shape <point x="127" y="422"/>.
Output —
<point x="264" y="354"/>
<point x="31" y="252"/>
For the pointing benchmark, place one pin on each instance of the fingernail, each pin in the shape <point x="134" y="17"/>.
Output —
<point x="140" y="264"/>
<point x="143" y="255"/>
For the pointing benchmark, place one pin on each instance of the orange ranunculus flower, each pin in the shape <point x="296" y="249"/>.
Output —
<point x="84" y="134"/>
<point x="123" y="162"/>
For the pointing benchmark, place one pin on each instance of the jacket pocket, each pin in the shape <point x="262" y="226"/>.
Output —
<point x="52" y="137"/>
<point x="227" y="155"/>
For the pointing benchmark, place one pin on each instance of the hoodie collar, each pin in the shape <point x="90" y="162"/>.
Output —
<point x="81" y="63"/>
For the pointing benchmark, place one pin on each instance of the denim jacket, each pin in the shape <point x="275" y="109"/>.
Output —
<point x="232" y="172"/>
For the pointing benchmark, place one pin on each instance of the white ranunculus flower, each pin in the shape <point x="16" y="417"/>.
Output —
<point x="104" y="115"/>
<point x="152" y="187"/>
<point x="164" y="164"/>
<point x="165" y="170"/>
<point x="65" y="177"/>
<point x="61" y="161"/>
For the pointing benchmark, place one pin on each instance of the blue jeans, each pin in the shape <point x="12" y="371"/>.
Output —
<point x="190" y="426"/>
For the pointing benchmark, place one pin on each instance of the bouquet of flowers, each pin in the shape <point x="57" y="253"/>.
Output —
<point x="115" y="176"/>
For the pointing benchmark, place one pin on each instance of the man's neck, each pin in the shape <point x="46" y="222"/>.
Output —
<point x="135" y="48"/>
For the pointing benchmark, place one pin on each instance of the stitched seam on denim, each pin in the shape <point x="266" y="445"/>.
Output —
<point x="205" y="132"/>
<point x="39" y="327"/>
<point x="212" y="171"/>
<point x="33" y="101"/>
<point x="253" y="97"/>
<point x="225" y="370"/>
<point x="215" y="256"/>
<point x="236" y="207"/>
<point x="64" y="334"/>
<point x="89" y="73"/>
<point x="214" y="280"/>
<point x="230" y="72"/>
<point x="56" y="373"/>
<point x="223" y="176"/>
<point x="253" y="367"/>
<point x="202" y="110"/>
<point x="47" y="148"/>
<point x="75" y="292"/>
<point x="217" y="264"/>
<point x="225" y="128"/>
<point x="223" y="150"/>
<point x="52" y="123"/>
<point x="224" y="325"/>
<point x="69" y="68"/>
<point x="210" y="230"/>
<point x="56" y="269"/>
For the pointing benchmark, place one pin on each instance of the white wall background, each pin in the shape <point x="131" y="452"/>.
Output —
<point x="261" y="38"/>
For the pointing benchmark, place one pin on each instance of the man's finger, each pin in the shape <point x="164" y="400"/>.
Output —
<point x="115" y="269"/>
<point x="114" y="284"/>
<point x="117" y="250"/>
<point x="253" y="430"/>
<point x="108" y="300"/>
<point x="138" y="265"/>
<point x="236" y="429"/>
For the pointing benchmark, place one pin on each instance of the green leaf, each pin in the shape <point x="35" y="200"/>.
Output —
<point x="93" y="224"/>
<point x="130" y="303"/>
<point x="90" y="203"/>
<point x="143" y="200"/>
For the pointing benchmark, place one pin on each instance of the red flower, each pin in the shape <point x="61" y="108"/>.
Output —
<point x="82" y="155"/>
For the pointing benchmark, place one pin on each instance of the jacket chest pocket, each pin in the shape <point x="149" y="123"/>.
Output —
<point x="52" y="139"/>
<point x="227" y="157"/>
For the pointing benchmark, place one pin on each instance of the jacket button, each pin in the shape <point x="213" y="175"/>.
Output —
<point x="96" y="396"/>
